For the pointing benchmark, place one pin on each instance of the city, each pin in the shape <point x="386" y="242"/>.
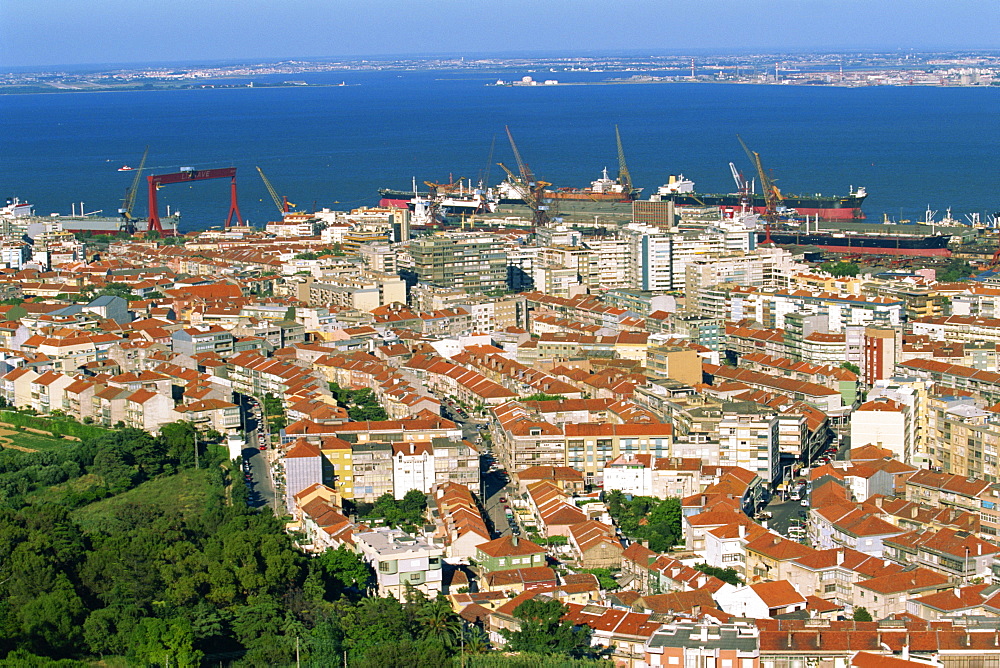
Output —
<point x="971" y="68"/>
<point x="685" y="437"/>
<point x="500" y="335"/>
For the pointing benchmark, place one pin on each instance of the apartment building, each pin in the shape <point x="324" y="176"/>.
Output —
<point x="202" y="339"/>
<point x="401" y="560"/>
<point x="470" y="262"/>
<point x="749" y="439"/>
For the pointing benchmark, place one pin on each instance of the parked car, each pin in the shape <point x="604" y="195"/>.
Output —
<point x="804" y="503"/>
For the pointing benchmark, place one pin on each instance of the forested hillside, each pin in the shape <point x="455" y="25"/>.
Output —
<point x="116" y="549"/>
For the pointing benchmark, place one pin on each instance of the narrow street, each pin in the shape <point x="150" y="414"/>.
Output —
<point x="494" y="490"/>
<point x="262" y="490"/>
<point x="492" y="483"/>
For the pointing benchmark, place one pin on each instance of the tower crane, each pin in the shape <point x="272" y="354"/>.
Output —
<point x="531" y="190"/>
<point x="284" y="206"/>
<point x="624" y="178"/>
<point x="128" y="203"/>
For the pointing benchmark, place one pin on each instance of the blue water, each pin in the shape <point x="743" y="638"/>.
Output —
<point x="335" y="146"/>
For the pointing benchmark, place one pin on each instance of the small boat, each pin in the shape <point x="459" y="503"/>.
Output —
<point x="125" y="168"/>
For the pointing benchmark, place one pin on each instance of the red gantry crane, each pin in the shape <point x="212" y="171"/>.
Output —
<point x="157" y="181"/>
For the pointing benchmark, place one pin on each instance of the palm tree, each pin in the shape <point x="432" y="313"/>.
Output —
<point x="475" y="640"/>
<point x="438" y="620"/>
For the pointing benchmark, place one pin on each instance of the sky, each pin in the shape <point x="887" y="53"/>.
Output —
<point x="76" y="32"/>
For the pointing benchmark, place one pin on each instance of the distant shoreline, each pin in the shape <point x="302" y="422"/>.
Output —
<point x="49" y="90"/>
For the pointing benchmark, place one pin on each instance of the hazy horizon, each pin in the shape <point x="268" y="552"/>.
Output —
<point x="51" y="33"/>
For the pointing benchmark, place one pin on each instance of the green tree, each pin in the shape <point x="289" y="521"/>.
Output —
<point x="164" y="642"/>
<point x="427" y="653"/>
<point x="413" y="505"/>
<point x="374" y="621"/>
<point x="840" y="269"/>
<point x="387" y="508"/>
<point x="437" y="620"/>
<point x="178" y="442"/>
<point x="343" y="570"/>
<point x="956" y="270"/>
<point x="543" y="631"/>
<point x="541" y="396"/>
<point x="853" y="368"/>
<point x="604" y="577"/>
<point x="730" y="575"/>
<point x="861" y="615"/>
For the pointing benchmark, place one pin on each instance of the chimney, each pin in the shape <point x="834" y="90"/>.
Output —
<point x="514" y="541"/>
<point x="840" y="557"/>
<point x="878" y="502"/>
<point x="704" y="633"/>
<point x="958" y="591"/>
<point x="742" y="531"/>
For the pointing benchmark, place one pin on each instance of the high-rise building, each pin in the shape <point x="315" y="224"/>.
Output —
<point x="883" y="348"/>
<point x="473" y="262"/>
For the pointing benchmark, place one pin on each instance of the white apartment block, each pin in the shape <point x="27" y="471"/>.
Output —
<point x="400" y="559"/>
<point x="749" y="437"/>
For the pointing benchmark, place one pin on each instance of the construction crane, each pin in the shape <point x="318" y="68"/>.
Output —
<point x="772" y="196"/>
<point x="526" y="174"/>
<point x="624" y="178"/>
<point x="531" y="194"/>
<point x="531" y="190"/>
<point x="742" y="187"/>
<point x="128" y="203"/>
<point x="284" y="206"/>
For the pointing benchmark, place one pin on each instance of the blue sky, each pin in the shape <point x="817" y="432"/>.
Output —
<point x="50" y="32"/>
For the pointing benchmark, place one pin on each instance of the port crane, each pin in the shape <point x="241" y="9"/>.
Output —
<point x="186" y="175"/>
<point x="128" y="203"/>
<point x="743" y="187"/>
<point x="284" y="206"/>
<point x="624" y="178"/>
<point x="772" y="196"/>
<point x="531" y="190"/>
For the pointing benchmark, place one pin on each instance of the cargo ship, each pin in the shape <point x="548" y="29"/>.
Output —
<point x="456" y="198"/>
<point x="681" y="192"/>
<point x="863" y="243"/>
<point x="22" y="213"/>
<point x="604" y="189"/>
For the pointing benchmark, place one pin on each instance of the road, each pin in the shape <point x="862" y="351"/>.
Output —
<point x="262" y="490"/>
<point x="493" y="484"/>
<point x="783" y="512"/>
